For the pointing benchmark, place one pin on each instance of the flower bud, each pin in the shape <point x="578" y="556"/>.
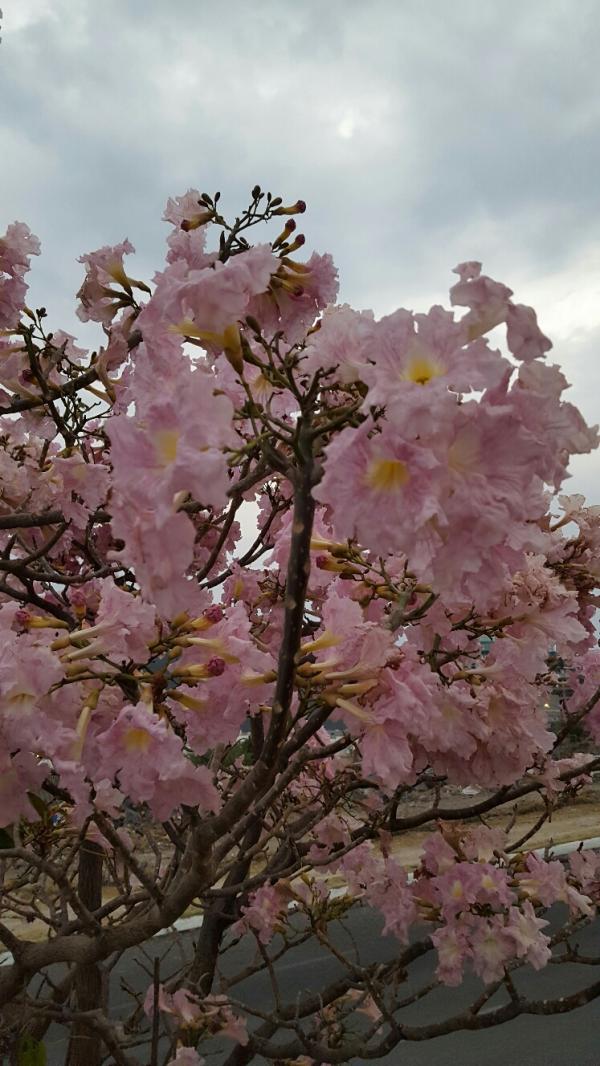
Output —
<point x="296" y="243"/>
<point x="215" y="666"/>
<point x="252" y="322"/>
<point x="336" y="566"/>
<point x="294" y="209"/>
<point x="233" y="348"/>
<point x="201" y="671"/>
<point x="282" y="237"/>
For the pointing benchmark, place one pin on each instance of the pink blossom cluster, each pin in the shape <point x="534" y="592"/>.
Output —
<point x="484" y="904"/>
<point x="211" y="1014"/>
<point x="255" y="508"/>
<point x="451" y="480"/>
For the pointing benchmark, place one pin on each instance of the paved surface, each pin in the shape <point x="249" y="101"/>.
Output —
<point x="567" y="1040"/>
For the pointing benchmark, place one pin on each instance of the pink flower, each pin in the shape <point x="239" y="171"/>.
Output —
<point x="187" y="245"/>
<point x="438" y="857"/>
<point x="547" y="882"/>
<point x="265" y="910"/>
<point x="488" y="300"/>
<point x="523" y="335"/>
<point x="20" y="774"/>
<point x="204" y="303"/>
<point x="453" y="949"/>
<point x="27" y="673"/>
<point x="391" y="894"/>
<point x="469" y="883"/>
<point x="178" y="209"/>
<point x="104" y="268"/>
<point x="161" y="574"/>
<point x="16" y="247"/>
<point x="381" y="489"/>
<point x="415" y="361"/>
<point x="585" y="867"/>
<point x="234" y="677"/>
<point x="492" y="948"/>
<point x="175" y="441"/>
<point x="123" y="629"/>
<point x="480" y="843"/>
<point x="75" y="479"/>
<point x="341" y="343"/>
<point x="293" y="306"/>
<point x="525" y="930"/>
<point x="347" y="647"/>
<point x="141" y="751"/>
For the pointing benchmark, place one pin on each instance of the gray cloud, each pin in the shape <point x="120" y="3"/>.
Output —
<point x="419" y="134"/>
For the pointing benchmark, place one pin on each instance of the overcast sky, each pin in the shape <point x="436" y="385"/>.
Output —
<point x="420" y="133"/>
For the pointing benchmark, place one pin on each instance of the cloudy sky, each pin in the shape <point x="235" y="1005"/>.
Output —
<point x="420" y="133"/>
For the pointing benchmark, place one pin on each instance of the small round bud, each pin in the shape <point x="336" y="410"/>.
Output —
<point x="215" y="666"/>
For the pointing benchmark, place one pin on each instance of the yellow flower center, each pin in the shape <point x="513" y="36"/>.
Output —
<point x="387" y="475"/>
<point x="421" y="369"/>
<point x="136" y="739"/>
<point x="166" y="445"/>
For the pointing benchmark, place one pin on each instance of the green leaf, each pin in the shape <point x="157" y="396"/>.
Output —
<point x="31" y="1052"/>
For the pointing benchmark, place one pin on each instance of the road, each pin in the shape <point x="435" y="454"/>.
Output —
<point x="562" y="1040"/>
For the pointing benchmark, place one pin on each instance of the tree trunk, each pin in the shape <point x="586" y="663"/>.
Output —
<point x="85" y="1047"/>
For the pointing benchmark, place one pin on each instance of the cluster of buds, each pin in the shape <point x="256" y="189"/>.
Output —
<point x="340" y="688"/>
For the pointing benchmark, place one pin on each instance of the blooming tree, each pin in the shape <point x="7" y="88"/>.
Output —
<point x="251" y="512"/>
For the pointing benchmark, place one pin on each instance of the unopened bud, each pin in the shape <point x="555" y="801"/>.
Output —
<point x="294" y="209"/>
<point x="232" y="348"/>
<point x="289" y="227"/>
<point x="37" y="622"/>
<point x="252" y="322"/>
<point x="215" y="666"/>
<point x="201" y="671"/>
<point x="336" y="566"/>
<point x="296" y="243"/>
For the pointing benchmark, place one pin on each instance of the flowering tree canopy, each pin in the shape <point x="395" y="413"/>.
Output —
<point x="249" y="514"/>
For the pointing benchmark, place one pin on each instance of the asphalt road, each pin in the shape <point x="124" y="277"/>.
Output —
<point x="562" y="1040"/>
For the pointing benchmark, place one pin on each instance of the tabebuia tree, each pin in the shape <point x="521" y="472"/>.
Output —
<point x="278" y="580"/>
